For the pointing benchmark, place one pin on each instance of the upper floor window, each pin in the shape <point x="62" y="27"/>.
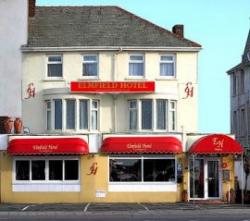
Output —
<point x="234" y="122"/>
<point x="234" y="84"/>
<point x="72" y="114"/>
<point x="90" y="66"/>
<point x="242" y="122"/>
<point x="54" y="66"/>
<point x="149" y="114"/>
<point x="136" y="65"/>
<point x="167" y="65"/>
<point x="242" y="82"/>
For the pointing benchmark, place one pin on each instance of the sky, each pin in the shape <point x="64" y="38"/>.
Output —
<point x="220" y="26"/>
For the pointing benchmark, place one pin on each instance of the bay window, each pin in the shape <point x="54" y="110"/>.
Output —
<point x="142" y="169"/>
<point x="152" y="114"/>
<point x="72" y="114"/>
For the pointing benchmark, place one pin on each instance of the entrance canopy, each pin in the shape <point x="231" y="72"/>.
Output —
<point x="216" y="144"/>
<point x="125" y="145"/>
<point x="47" y="146"/>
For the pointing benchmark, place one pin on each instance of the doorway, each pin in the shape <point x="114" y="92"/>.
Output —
<point x="204" y="178"/>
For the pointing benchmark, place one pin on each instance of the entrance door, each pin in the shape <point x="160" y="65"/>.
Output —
<point x="204" y="179"/>
<point x="213" y="183"/>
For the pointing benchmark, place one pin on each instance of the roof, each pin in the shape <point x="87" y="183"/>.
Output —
<point x="235" y="68"/>
<point x="246" y="50"/>
<point x="85" y="26"/>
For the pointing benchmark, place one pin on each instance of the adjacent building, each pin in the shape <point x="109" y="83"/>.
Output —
<point x="239" y="102"/>
<point x="109" y="101"/>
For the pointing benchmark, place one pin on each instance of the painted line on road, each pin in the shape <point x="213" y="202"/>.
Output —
<point x="146" y="208"/>
<point x="26" y="207"/>
<point x="86" y="207"/>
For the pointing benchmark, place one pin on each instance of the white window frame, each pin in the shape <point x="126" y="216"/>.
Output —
<point x="170" y="110"/>
<point x="133" y="109"/>
<point x="47" y="77"/>
<point x="46" y="159"/>
<point x="98" y="114"/>
<point x="154" y="115"/>
<point x="77" y="117"/>
<point x="137" y="62"/>
<point x="90" y="62"/>
<point x="168" y="62"/>
<point x="48" y="109"/>
<point x="142" y="158"/>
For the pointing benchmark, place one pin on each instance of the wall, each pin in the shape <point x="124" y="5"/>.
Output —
<point x="112" y="66"/>
<point x="13" y="29"/>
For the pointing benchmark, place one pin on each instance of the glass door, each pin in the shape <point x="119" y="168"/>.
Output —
<point x="196" y="178"/>
<point x="213" y="183"/>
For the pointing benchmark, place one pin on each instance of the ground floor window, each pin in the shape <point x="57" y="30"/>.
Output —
<point x="46" y="170"/>
<point x="142" y="169"/>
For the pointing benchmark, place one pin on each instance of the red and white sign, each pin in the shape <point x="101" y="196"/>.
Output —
<point x="112" y="87"/>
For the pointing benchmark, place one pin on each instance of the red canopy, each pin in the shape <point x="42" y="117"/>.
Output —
<point x="216" y="144"/>
<point x="43" y="146"/>
<point x="141" y="145"/>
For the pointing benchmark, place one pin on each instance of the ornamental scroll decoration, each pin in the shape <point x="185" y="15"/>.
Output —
<point x="189" y="90"/>
<point x="93" y="169"/>
<point x="30" y="91"/>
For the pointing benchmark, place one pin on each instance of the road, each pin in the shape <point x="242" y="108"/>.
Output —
<point x="124" y="212"/>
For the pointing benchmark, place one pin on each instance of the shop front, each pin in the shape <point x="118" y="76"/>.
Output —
<point x="211" y="167"/>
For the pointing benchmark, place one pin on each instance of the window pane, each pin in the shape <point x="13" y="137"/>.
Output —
<point x="90" y="69"/>
<point x="54" y="70"/>
<point x="132" y="104"/>
<point x="159" y="170"/>
<point x="58" y="114"/>
<point x="146" y="109"/>
<point x="70" y="104"/>
<point x="167" y="58"/>
<point x="54" y="58"/>
<point x="38" y="169"/>
<point x="71" y="169"/>
<point x="136" y="69"/>
<point x="55" y="170"/>
<point x="133" y="119"/>
<point x="94" y="120"/>
<point x="161" y="114"/>
<point x="125" y="170"/>
<point x="90" y="58"/>
<point x="167" y="69"/>
<point x="136" y="58"/>
<point x="22" y="170"/>
<point x="84" y="114"/>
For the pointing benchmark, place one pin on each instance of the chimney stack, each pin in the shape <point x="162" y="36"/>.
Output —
<point x="32" y="8"/>
<point x="178" y="30"/>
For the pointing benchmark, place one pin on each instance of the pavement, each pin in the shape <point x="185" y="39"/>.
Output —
<point x="116" y="207"/>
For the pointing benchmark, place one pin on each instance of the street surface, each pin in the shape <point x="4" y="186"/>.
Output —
<point x="124" y="212"/>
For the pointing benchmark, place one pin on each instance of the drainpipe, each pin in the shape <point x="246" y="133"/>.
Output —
<point x="242" y="183"/>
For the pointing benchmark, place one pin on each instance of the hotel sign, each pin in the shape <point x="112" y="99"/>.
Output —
<point x="46" y="148"/>
<point x="112" y="87"/>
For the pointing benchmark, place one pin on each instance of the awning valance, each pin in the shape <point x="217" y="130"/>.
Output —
<point x="46" y="146"/>
<point x="169" y="145"/>
<point x="216" y="144"/>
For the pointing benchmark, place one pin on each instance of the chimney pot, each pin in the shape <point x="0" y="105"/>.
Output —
<point x="178" y="30"/>
<point x="32" y="8"/>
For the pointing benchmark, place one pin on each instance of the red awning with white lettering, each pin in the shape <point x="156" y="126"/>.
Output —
<point x="48" y="146"/>
<point x="216" y="144"/>
<point x="125" y="145"/>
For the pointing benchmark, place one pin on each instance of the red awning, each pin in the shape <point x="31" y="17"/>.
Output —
<point x="125" y="145"/>
<point x="45" y="146"/>
<point x="216" y="144"/>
